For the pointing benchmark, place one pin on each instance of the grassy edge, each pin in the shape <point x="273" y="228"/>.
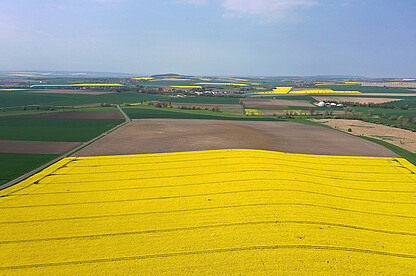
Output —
<point x="409" y="156"/>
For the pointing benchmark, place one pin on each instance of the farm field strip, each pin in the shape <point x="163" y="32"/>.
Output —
<point x="77" y="84"/>
<point x="276" y="90"/>
<point x="222" y="83"/>
<point x="171" y="212"/>
<point x="323" y="92"/>
<point x="254" y="112"/>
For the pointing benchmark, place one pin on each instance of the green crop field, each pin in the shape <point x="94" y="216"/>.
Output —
<point x="387" y="111"/>
<point x="145" y="112"/>
<point x="17" y="98"/>
<point x="14" y="165"/>
<point x="368" y="89"/>
<point x="205" y="100"/>
<point x="60" y="130"/>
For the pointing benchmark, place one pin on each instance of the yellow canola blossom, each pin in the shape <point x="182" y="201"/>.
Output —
<point x="143" y="78"/>
<point x="323" y="92"/>
<point x="11" y="89"/>
<point x="409" y="79"/>
<point x="253" y="112"/>
<point x="212" y="212"/>
<point x="277" y="90"/>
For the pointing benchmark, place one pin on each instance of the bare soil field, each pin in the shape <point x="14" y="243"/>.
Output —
<point x="36" y="147"/>
<point x="69" y="91"/>
<point x="256" y="102"/>
<point x="176" y="135"/>
<point x="400" y="137"/>
<point x="75" y="115"/>
<point x="356" y="99"/>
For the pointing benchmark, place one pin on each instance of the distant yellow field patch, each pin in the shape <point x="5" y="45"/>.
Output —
<point x="232" y="212"/>
<point x="143" y="78"/>
<point x="79" y="84"/>
<point x="11" y="89"/>
<point x="253" y="112"/>
<point x="222" y="83"/>
<point x="323" y="92"/>
<point x="409" y="79"/>
<point x="277" y="90"/>
<point x="186" y="86"/>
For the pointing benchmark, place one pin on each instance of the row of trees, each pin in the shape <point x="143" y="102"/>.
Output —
<point x="193" y="107"/>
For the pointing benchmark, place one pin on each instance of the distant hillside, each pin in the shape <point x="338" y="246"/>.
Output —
<point x="62" y="74"/>
<point x="169" y="75"/>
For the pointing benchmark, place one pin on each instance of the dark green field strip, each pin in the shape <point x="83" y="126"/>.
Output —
<point x="368" y="89"/>
<point x="29" y="111"/>
<point x="60" y="130"/>
<point x="205" y="100"/>
<point x="19" y="98"/>
<point x="148" y="113"/>
<point x="13" y="165"/>
<point x="387" y="111"/>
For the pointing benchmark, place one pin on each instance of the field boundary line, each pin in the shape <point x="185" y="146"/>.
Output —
<point x="17" y="180"/>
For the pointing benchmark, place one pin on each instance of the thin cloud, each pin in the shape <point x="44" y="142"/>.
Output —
<point x="270" y="9"/>
<point x="192" y="2"/>
<point x="106" y="2"/>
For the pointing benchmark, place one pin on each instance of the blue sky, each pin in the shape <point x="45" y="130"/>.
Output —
<point x="211" y="37"/>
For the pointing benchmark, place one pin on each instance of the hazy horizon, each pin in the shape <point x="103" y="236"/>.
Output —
<point x="211" y="37"/>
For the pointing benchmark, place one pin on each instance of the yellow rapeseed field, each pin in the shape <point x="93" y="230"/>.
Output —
<point x="143" y="78"/>
<point x="11" y="89"/>
<point x="252" y="112"/>
<point x="212" y="212"/>
<point x="277" y="90"/>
